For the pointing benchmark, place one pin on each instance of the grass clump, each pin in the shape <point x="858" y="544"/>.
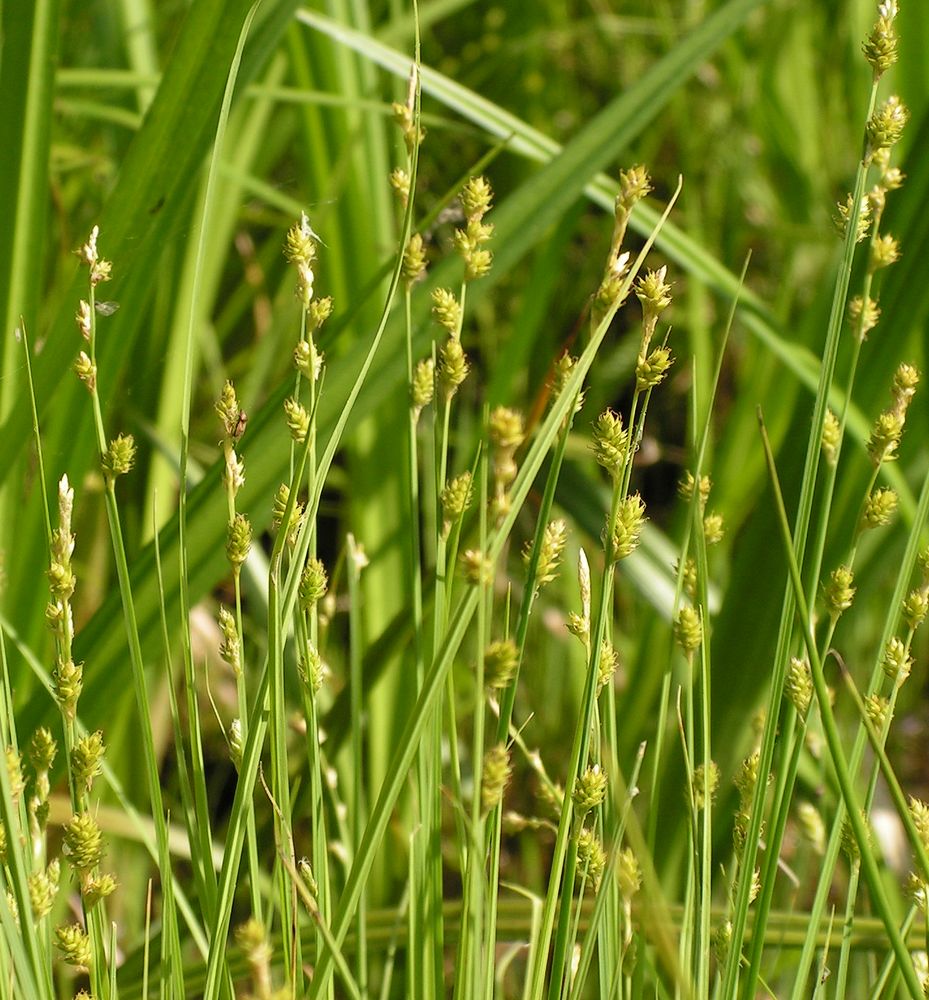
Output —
<point x="417" y="639"/>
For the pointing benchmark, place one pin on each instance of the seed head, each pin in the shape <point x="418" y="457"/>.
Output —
<point x="14" y="768"/>
<point x="863" y="314"/>
<point x="906" y="378"/>
<point x="688" y="629"/>
<point x="689" y="577"/>
<point x="233" y="466"/>
<point x="88" y="252"/>
<point x="469" y="242"/>
<point x="626" y="529"/>
<point x="589" y="790"/>
<point x="83" y="842"/>
<point x="478" y="569"/>
<point x="306" y="279"/>
<point x="312" y="669"/>
<point x="68" y="678"/>
<point x="228" y="409"/>
<point x="812" y="826"/>
<point x="850" y="842"/>
<point x="476" y="198"/>
<point x="84" y="319"/>
<point x="628" y="873"/>
<point x="413" y="267"/>
<point x="832" y="436"/>
<point x="634" y="185"/>
<point x="86" y="371"/>
<point x="313" y="584"/>
<point x="611" y="292"/>
<point x="705" y="789"/>
<point x="896" y="661"/>
<point x="423" y="385"/>
<point x="880" y="48"/>
<point x="42" y="750"/>
<point x="74" y="945"/>
<point x="885" y="126"/>
<point x="918" y="891"/>
<point x="920" y="813"/>
<point x="61" y="581"/>
<point x="799" y="685"/>
<point x="501" y="660"/>
<point x="550" y="551"/>
<point x="87" y="759"/>
<point x="97" y="887"/>
<point x="119" y="457"/>
<point x="839" y="592"/>
<point x="238" y="540"/>
<point x="43" y="888"/>
<point x="892" y="179"/>
<point x="577" y="625"/>
<point x="885" y="436"/>
<point x="922" y="558"/>
<point x="507" y="429"/>
<point x="495" y="776"/>
<point x="229" y="647"/>
<point x="307" y="877"/>
<point x="298" y="420"/>
<point x="915" y="608"/>
<point x="860" y="219"/>
<point x="879" y="508"/>
<point x="100" y="270"/>
<point x="610" y="443"/>
<point x="236" y="743"/>
<point x="591" y="858"/>
<point x="252" y="938"/>
<point x="447" y="310"/>
<point x="884" y="251"/>
<point x="653" y="292"/>
<point x="564" y="366"/>
<point x="279" y="509"/>
<point x="685" y="488"/>
<point x="318" y="312"/>
<point x="747" y="777"/>
<point x="607" y="666"/>
<point x="713" y="528"/>
<point x="308" y="360"/>
<point x="453" y="366"/>
<point x="877" y="708"/>
<point x="405" y="119"/>
<point x="400" y="182"/>
<point x="456" y="497"/>
<point x="300" y="242"/>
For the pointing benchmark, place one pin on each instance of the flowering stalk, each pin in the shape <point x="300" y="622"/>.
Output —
<point x="863" y="314"/>
<point x="621" y="536"/>
<point x="116" y="459"/>
<point x="800" y="534"/>
<point x="238" y="542"/>
<point x="857" y="821"/>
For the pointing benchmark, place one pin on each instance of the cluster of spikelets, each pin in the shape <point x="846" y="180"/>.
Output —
<point x="436" y="380"/>
<point x="614" y="446"/>
<point x="82" y="845"/>
<point x="884" y="129"/>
